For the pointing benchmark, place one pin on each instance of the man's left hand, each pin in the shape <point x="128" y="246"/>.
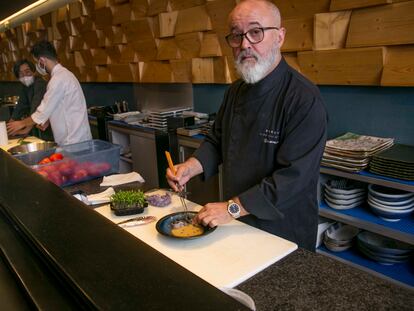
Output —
<point x="214" y="214"/>
<point x="17" y="127"/>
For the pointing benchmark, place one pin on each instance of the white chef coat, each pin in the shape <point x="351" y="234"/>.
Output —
<point x="65" y="106"/>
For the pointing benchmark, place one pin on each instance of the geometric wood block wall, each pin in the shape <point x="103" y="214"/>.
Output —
<point x="340" y="42"/>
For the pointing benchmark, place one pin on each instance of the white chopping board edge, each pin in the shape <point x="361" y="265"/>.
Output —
<point x="13" y="142"/>
<point x="225" y="258"/>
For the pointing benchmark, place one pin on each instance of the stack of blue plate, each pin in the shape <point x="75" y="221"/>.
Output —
<point x="390" y="204"/>
<point x="339" y="237"/>
<point x="344" y="194"/>
<point x="382" y="249"/>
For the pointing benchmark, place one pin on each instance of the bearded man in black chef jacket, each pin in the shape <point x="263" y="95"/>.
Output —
<point x="269" y="135"/>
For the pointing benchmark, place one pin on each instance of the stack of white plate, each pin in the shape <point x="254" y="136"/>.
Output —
<point x="339" y="237"/>
<point x="390" y="204"/>
<point x="344" y="193"/>
<point x="382" y="249"/>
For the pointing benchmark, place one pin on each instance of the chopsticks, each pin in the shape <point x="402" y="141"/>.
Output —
<point x="181" y="193"/>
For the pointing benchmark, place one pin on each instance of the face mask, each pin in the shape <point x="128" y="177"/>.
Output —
<point x="27" y="80"/>
<point x="41" y="70"/>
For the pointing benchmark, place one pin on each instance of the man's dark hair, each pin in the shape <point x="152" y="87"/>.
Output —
<point x="16" y="67"/>
<point x="44" y="49"/>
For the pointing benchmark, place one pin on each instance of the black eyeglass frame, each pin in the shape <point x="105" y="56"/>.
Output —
<point x="244" y="35"/>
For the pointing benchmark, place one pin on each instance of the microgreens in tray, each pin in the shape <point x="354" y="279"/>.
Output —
<point x="128" y="202"/>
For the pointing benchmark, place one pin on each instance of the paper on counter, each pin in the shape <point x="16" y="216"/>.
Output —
<point x="119" y="179"/>
<point x="4" y="139"/>
<point x="101" y="197"/>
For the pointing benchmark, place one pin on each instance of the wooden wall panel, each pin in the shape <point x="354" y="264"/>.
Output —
<point x="360" y="66"/>
<point x="189" y="44"/>
<point x="290" y="9"/>
<point x="158" y="6"/>
<point x="399" y="66"/>
<point x="167" y="49"/>
<point x="123" y="73"/>
<point x="382" y="25"/>
<point x="181" y="70"/>
<point x="193" y="19"/>
<point x="338" y="5"/>
<point x="299" y="34"/>
<point x="184" y="40"/>
<point x="151" y="72"/>
<point x="210" y="45"/>
<point x="121" y="13"/>
<point x="185" y="4"/>
<point x="167" y="22"/>
<point x="330" y="30"/>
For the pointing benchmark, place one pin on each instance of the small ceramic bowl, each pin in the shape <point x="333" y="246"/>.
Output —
<point x="389" y="214"/>
<point x="391" y="207"/>
<point x="389" y="194"/>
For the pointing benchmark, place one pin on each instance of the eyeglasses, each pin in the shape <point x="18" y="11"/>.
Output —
<point x="254" y="35"/>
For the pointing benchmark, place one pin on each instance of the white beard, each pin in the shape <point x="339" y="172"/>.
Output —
<point x="254" y="73"/>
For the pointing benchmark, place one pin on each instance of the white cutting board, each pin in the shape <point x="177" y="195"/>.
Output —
<point x="13" y="142"/>
<point x="224" y="258"/>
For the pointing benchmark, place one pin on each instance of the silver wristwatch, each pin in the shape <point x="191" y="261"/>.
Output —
<point x="233" y="208"/>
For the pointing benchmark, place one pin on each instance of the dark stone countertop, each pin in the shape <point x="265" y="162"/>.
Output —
<point x="309" y="281"/>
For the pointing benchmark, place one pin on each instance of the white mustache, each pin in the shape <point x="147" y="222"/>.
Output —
<point x="247" y="53"/>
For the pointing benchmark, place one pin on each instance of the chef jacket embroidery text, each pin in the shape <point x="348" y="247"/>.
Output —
<point x="270" y="136"/>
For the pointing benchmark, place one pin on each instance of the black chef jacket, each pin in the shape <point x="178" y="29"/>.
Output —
<point x="270" y="137"/>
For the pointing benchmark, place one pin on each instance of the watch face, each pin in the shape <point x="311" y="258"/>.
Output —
<point x="234" y="208"/>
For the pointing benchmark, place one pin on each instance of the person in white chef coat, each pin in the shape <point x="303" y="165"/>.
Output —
<point x="63" y="106"/>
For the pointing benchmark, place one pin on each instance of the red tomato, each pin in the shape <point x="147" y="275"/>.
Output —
<point x="56" y="157"/>
<point x="66" y="168"/>
<point x="45" y="161"/>
<point x="48" y="168"/>
<point x="79" y="175"/>
<point x="43" y="173"/>
<point x="104" y="167"/>
<point x="56" y="178"/>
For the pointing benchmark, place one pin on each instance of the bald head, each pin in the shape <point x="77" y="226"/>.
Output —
<point x="256" y="37"/>
<point x="261" y="9"/>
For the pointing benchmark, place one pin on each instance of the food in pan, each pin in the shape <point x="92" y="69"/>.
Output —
<point x="186" y="230"/>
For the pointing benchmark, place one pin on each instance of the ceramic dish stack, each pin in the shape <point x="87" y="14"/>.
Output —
<point x="157" y="118"/>
<point x="390" y="204"/>
<point x="339" y="237"/>
<point x="382" y="249"/>
<point x="351" y="152"/>
<point x="396" y="162"/>
<point x="344" y="194"/>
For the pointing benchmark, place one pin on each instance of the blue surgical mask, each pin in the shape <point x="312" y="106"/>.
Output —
<point x="41" y="70"/>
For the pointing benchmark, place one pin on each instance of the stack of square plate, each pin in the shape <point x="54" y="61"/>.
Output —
<point x="396" y="162"/>
<point x="344" y="194"/>
<point x="157" y="118"/>
<point x="339" y="237"/>
<point x="382" y="249"/>
<point x="390" y="204"/>
<point x="351" y="152"/>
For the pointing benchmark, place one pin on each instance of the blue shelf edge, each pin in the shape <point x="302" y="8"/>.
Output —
<point x="405" y="225"/>
<point x="402" y="272"/>
<point x="372" y="175"/>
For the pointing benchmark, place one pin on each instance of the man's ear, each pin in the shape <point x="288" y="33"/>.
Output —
<point x="281" y="36"/>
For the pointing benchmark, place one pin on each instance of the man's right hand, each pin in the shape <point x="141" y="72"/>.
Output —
<point x="185" y="171"/>
<point x="44" y="126"/>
